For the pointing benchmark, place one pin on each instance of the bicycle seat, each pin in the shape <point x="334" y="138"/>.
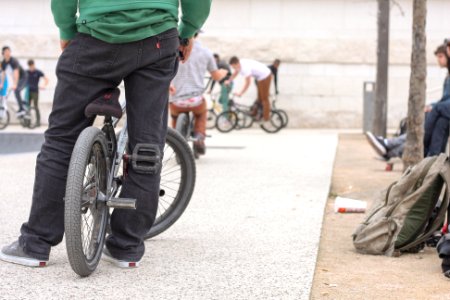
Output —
<point x="105" y="105"/>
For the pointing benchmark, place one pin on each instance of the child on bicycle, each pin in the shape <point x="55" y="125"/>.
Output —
<point x="251" y="68"/>
<point x="187" y="90"/>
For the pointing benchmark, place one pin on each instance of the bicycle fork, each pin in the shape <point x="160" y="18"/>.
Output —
<point x="114" y="163"/>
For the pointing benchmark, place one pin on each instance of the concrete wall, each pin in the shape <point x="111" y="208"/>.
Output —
<point x="328" y="49"/>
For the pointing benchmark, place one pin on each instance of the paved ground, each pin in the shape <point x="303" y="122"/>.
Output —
<point x="251" y="231"/>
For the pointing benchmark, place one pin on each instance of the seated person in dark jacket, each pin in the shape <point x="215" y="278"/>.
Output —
<point x="436" y="122"/>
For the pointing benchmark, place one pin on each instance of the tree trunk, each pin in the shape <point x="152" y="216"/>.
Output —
<point x="381" y="88"/>
<point x="413" y="152"/>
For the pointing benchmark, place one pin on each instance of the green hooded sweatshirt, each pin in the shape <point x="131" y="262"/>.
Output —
<point x="124" y="21"/>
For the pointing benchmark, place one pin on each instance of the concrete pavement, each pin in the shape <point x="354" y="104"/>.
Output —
<point x="251" y="231"/>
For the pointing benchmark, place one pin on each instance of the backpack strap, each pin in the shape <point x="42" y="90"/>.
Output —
<point x="445" y="175"/>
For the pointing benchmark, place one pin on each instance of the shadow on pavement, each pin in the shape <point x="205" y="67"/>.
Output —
<point x="14" y="143"/>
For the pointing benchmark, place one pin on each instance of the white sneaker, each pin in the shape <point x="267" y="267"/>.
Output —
<point x="117" y="262"/>
<point x="14" y="254"/>
<point x="20" y="113"/>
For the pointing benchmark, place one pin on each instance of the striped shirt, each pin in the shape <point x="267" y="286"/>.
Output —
<point x="190" y="79"/>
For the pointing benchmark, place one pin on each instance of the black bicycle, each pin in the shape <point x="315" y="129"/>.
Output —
<point x="185" y="127"/>
<point x="94" y="182"/>
<point x="241" y="116"/>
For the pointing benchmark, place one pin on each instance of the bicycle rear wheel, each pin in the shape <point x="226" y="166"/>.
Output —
<point x="4" y="118"/>
<point x="244" y="120"/>
<point x="226" y="121"/>
<point x="86" y="213"/>
<point x="275" y="124"/>
<point x="177" y="182"/>
<point x="211" y="119"/>
<point x="182" y="125"/>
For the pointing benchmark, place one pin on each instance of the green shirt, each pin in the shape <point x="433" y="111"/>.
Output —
<point x="124" y="21"/>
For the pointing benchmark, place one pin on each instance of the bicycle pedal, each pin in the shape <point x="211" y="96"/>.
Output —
<point x="123" y="203"/>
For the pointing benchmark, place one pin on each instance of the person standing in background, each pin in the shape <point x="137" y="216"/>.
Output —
<point x="34" y="75"/>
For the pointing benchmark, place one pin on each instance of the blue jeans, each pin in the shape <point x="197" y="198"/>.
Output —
<point x="437" y="129"/>
<point x="85" y="70"/>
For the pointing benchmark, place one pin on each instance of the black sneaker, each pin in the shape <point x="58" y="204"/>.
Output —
<point x="199" y="144"/>
<point x="14" y="254"/>
<point x="117" y="262"/>
<point x="445" y="265"/>
<point x="377" y="143"/>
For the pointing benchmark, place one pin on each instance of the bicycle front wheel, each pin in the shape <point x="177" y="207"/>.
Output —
<point x="211" y="119"/>
<point x="86" y="212"/>
<point x="226" y="121"/>
<point x="275" y="123"/>
<point x="177" y="182"/>
<point x="284" y="115"/>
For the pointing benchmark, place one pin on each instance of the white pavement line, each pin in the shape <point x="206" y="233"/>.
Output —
<point x="251" y="231"/>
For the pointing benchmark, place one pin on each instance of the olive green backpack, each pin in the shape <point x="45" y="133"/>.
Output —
<point x="401" y="218"/>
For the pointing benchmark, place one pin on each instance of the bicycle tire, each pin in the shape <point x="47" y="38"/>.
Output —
<point x="226" y="121"/>
<point x="33" y="118"/>
<point x="244" y="120"/>
<point x="83" y="184"/>
<point x="211" y="119"/>
<point x="4" y="119"/>
<point x="276" y="123"/>
<point x="284" y="115"/>
<point x="181" y="155"/>
<point x="182" y="125"/>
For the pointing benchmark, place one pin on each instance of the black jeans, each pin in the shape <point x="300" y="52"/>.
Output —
<point x="34" y="101"/>
<point x="20" y="86"/>
<point x="437" y="129"/>
<point x="85" y="70"/>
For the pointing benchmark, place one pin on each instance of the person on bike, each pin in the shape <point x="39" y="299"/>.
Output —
<point x="225" y="87"/>
<point x="136" y="41"/>
<point x="34" y="75"/>
<point x="19" y="77"/>
<point x="187" y="90"/>
<point x="261" y="73"/>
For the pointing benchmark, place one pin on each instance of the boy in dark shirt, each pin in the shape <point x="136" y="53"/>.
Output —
<point x="19" y="77"/>
<point x="34" y="75"/>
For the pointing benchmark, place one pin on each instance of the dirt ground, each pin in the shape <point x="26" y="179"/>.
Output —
<point x="342" y="273"/>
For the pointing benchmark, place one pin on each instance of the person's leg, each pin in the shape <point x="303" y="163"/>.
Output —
<point x="147" y="92"/>
<point x="74" y="90"/>
<point x="395" y="141"/>
<point x="201" y="115"/>
<point x="34" y="99"/>
<point x="439" y="137"/>
<point x="223" y="99"/>
<point x="263" y="95"/>
<point x="430" y="121"/>
<point x="396" y="151"/>
<point x="20" y="86"/>
<point x="175" y="111"/>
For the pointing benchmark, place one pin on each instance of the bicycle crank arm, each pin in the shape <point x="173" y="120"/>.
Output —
<point x="123" y="203"/>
